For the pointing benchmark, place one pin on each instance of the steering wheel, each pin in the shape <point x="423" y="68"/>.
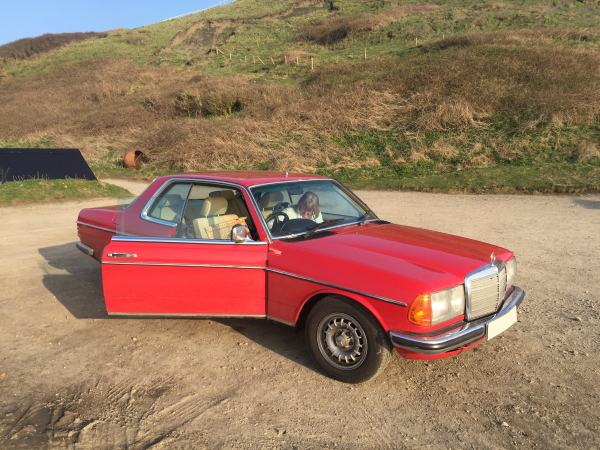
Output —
<point x="296" y="226"/>
<point x="277" y="224"/>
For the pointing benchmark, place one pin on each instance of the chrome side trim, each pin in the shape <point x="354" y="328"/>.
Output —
<point x="122" y="255"/>
<point x="156" y="240"/>
<point x="388" y="300"/>
<point x="489" y="270"/>
<point x="103" y="229"/>
<point x="84" y="249"/>
<point x="192" y="315"/>
<point x="464" y="334"/>
<point x="209" y="266"/>
<point x="275" y="319"/>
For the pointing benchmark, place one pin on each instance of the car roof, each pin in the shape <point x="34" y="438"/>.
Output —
<point x="246" y="177"/>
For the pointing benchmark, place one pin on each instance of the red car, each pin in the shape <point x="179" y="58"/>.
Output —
<point x="305" y="251"/>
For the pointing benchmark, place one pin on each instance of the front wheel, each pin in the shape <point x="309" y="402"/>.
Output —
<point x="346" y="341"/>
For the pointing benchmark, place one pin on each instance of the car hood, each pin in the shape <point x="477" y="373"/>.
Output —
<point x="433" y="258"/>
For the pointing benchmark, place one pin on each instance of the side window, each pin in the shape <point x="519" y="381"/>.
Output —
<point x="211" y="211"/>
<point x="169" y="205"/>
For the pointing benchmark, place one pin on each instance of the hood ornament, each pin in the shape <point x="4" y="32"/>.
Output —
<point x="493" y="257"/>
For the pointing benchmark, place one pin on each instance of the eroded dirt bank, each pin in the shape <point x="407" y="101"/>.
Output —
<point x="77" y="379"/>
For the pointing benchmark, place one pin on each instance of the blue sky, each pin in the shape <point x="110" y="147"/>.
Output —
<point x="31" y="18"/>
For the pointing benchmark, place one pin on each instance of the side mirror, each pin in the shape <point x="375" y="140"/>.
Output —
<point x="239" y="234"/>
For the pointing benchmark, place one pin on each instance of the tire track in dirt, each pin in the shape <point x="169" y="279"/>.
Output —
<point x="129" y="414"/>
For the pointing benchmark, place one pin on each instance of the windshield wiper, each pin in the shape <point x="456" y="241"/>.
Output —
<point x="362" y="219"/>
<point x="318" y="226"/>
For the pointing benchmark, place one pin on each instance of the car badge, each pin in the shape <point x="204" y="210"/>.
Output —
<point x="493" y="257"/>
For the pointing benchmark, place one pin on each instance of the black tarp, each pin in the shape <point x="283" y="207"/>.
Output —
<point x="17" y="164"/>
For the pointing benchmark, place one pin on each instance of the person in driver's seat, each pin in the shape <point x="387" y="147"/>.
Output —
<point x="307" y="208"/>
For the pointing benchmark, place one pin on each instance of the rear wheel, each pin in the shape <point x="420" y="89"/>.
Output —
<point x="346" y="341"/>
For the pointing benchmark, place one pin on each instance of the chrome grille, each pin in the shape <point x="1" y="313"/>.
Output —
<point x="486" y="294"/>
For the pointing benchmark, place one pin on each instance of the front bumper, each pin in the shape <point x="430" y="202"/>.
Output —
<point x="455" y="336"/>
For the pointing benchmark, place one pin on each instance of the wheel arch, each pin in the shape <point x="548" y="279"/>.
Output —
<point x="310" y="303"/>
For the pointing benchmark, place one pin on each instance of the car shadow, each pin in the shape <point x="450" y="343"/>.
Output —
<point x="75" y="280"/>
<point x="587" y="204"/>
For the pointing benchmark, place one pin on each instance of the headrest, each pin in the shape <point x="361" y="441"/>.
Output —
<point x="213" y="206"/>
<point x="227" y="194"/>
<point x="270" y="199"/>
<point x="171" y="200"/>
<point x="197" y="192"/>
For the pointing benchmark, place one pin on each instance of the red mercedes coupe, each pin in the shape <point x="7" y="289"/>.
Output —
<point x="305" y="251"/>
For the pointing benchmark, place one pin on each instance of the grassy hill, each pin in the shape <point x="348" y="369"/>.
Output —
<point x="453" y="95"/>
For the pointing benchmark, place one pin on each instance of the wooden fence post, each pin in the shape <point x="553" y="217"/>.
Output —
<point x="272" y="61"/>
<point x="365" y="53"/>
<point x="312" y="64"/>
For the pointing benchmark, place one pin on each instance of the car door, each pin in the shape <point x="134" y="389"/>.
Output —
<point x="199" y="271"/>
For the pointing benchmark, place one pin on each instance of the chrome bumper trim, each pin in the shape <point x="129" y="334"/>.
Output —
<point x="85" y="249"/>
<point x="466" y="333"/>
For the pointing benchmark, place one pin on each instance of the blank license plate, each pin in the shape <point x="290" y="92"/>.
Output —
<point x="501" y="324"/>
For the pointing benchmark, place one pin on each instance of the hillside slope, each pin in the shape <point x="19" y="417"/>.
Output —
<point x="362" y="90"/>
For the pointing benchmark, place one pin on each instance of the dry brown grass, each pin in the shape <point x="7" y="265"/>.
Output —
<point x="293" y="56"/>
<point x="336" y="28"/>
<point x="588" y="151"/>
<point x="504" y="73"/>
<point x="443" y="150"/>
<point x="137" y="40"/>
<point x="193" y="122"/>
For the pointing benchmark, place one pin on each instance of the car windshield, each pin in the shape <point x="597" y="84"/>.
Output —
<point x="292" y="208"/>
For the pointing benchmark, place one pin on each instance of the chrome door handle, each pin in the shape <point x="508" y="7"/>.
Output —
<point x="121" y="255"/>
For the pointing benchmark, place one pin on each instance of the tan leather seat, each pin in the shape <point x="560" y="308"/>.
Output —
<point x="236" y="204"/>
<point x="212" y="212"/>
<point x="269" y="201"/>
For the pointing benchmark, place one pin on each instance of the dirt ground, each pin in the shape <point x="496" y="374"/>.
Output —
<point x="74" y="378"/>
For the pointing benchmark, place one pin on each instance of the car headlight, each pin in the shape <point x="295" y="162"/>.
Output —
<point x="438" y="307"/>
<point x="511" y="271"/>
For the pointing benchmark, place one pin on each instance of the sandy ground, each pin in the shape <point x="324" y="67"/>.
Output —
<point x="73" y="378"/>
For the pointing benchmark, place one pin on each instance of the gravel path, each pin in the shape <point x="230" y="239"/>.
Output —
<point x="77" y="379"/>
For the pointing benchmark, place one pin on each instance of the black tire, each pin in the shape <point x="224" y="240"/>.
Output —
<point x="346" y="341"/>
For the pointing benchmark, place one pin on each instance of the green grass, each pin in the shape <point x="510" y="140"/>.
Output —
<point x="17" y="143"/>
<point x="39" y="190"/>
<point x="270" y="38"/>
<point x="541" y="179"/>
<point x="113" y="168"/>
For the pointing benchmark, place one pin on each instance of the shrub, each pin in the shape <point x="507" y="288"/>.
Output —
<point x="28" y="47"/>
<point x="137" y="40"/>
